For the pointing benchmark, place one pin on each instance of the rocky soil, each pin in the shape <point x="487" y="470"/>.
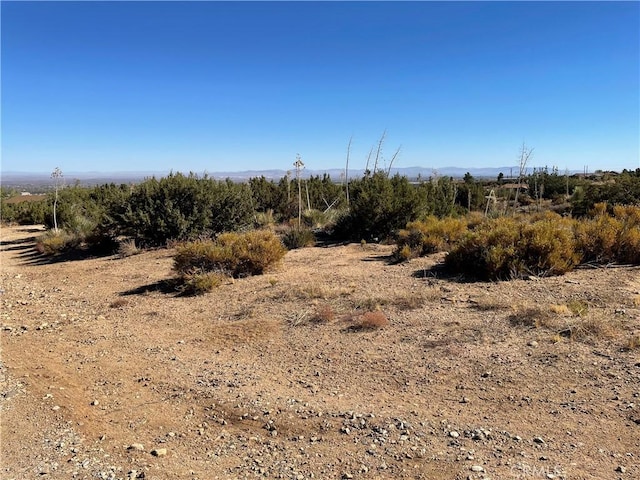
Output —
<point x="108" y="373"/>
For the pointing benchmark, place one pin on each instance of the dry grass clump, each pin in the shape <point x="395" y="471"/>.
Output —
<point x="324" y="314"/>
<point x="573" y="321"/>
<point x="633" y="342"/>
<point x="409" y="301"/>
<point x="594" y="327"/>
<point x="315" y="291"/>
<point x="372" y="321"/>
<point x="127" y="248"/>
<point x="199" y="283"/>
<point x="561" y="309"/>
<point x="119" y="303"/>
<point x="532" y="317"/>
<point x="370" y="303"/>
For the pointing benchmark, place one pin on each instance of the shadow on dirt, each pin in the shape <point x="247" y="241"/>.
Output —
<point x="439" y="271"/>
<point x="19" y="241"/>
<point x="171" y="286"/>
<point x="32" y="257"/>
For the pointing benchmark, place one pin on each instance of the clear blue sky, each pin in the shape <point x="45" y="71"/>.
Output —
<point x="214" y="86"/>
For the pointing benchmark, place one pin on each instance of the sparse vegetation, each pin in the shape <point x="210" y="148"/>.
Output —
<point x="324" y="314"/>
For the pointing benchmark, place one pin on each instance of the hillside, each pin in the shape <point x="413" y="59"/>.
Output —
<point x="108" y="373"/>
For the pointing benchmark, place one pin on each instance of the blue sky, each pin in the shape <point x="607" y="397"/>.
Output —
<point x="217" y="86"/>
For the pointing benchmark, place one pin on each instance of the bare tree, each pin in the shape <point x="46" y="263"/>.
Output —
<point x="393" y="160"/>
<point x="299" y="166"/>
<point x="57" y="176"/>
<point x="525" y="156"/>
<point x="366" y="168"/>
<point x="346" y="169"/>
<point x="379" y="151"/>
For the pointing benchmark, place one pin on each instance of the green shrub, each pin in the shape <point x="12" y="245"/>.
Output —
<point x="234" y="254"/>
<point x="183" y="208"/>
<point x="380" y="205"/>
<point x="298" y="238"/>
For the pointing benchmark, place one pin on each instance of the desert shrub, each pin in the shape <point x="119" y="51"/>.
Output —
<point x="298" y="238"/>
<point x="488" y="252"/>
<point x="428" y="236"/>
<point x="510" y="248"/>
<point x="235" y="254"/>
<point x="53" y="243"/>
<point x="549" y="246"/>
<point x="628" y="249"/>
<point x="597" y="238"/>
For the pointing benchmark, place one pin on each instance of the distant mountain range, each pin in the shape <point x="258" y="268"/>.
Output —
<point x="337" y="174"/>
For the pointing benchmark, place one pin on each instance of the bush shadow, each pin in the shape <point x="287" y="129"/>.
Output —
<point x="439" y="271"/>
<point x="170" y="286"/>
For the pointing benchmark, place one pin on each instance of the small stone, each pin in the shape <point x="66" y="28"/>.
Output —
<point x="454" y="434"/>
<point x="477" y="468"/>
<point x="347" y="475"/>
<point x="55" y="408"/>
<point x="95" y="402"/>
<point x="538" y="440"/>
<point x="621" y="469"/>
<point x="533" y="344"/>
<point x="159" y="452"/>
<point x="135" y="446"/>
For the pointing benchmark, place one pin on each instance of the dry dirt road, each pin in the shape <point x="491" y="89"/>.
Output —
<point x="108" y="373"/>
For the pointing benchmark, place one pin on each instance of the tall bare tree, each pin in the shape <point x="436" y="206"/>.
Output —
<point x="299" y="166"/>
<point x="525" y="156"/>
<point x="57" y="176"/>
<point x="346" y="169"/>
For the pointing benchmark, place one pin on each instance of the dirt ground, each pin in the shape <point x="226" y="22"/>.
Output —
<point x="106" y="372"/>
